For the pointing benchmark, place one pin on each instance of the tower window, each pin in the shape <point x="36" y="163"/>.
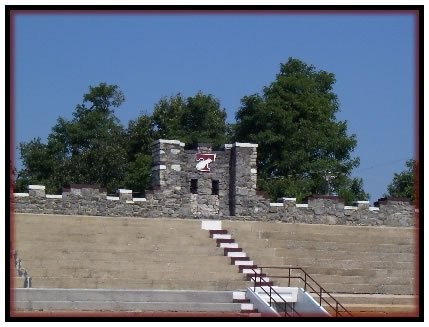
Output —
<point x="215" y="187"/>
<point x="194" y="186"/>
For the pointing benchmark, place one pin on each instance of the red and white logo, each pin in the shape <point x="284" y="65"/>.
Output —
<point x="204" y="160"/>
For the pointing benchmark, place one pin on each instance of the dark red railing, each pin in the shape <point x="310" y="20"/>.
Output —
<point x="311" y="284"/>
<point x="258" y="278"/>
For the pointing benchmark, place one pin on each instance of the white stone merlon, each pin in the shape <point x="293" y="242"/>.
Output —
<point x="129" y="201"/>
<point x="112" y="198"/>
<point x="20" y="194"/>
<point x="211" y="224"/>
<point x="54" y="196"/>
<point x="245" y="145"/>
<point x="139" y="199"/>
<point x="253" y="171"/>
<point x="227" y="146"/>
<point x="125" y="191"/>
<point x="362" y="202"/>
<point x="276" y="204"/>
<point x="350" y="208"/>
<point x="159" y="167"/>
<point x="36" y="187"/>
<point x="176" y="167"/>
<point x="374" y="208"/>
<point x="302" y="205"/>
<point x="170" y="142"/>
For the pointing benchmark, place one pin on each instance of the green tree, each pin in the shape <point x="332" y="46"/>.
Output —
<point x="402" y="184"/>
<point x="140" y="136"/>
<point x="300" y="141"/>
<point x="192" y="120"/>
<point x="89" y="149"/>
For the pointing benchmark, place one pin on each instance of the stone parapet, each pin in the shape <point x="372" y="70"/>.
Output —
<point x="202" y="183"/>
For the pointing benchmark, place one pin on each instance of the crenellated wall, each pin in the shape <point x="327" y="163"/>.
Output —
<point x="209" y="184"/>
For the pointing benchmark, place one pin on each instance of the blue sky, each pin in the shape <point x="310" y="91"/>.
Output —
<point x="57" y="57"/>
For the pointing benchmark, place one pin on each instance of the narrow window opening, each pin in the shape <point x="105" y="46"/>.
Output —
<point x="215" y="187"/>
<point x="194" y="186"/>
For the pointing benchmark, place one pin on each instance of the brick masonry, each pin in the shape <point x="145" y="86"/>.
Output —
<point x="226" y="191"/>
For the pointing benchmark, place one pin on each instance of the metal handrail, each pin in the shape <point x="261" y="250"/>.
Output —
<point x="319" y="292"/>
<point x="271" y="289"/>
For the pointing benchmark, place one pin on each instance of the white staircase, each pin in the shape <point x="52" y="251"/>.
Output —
<point x="263" y="297"/>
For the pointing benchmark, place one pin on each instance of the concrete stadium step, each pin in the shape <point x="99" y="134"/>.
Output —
<point x="328" y="279"/>
<point x="132" y="300"/>
<point x="116" y="253"/>
<point x="339" y="254"/>
<point x="364" y="288"/>
<point x="123" y="283"/>
<point x="389" y="308"/>
<point x="166" y="263"/>
<point x="37" y="294"/>
<point x="344" y="264"/>
<point x="373" y="299"/>
<point x="128" y="306"/>
<point x="340" y="271"/>
<point x="169" y="272"/>
<point x="333" y="246"/>
<point x="297" y="228"/>
<point x="125" y="300"/>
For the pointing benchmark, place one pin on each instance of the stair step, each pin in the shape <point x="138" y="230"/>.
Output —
<point x="221" y="240"/>
<point x="239" y="295"/>
<point x="259" y="278"/>
<point x="242" y="262"/>
<point x="259" y="284"/>
<point x="220" y="231"/>
<point x="252" y="276"/>
<point x="222" y="236"/>
<point x="247" y="306"/>
<point x="237" y="255"/>
<point x="251" y="271"/>
<point x="242" y="267"/>
<point x="228" y="245"/>
<point x="226" y="250"/>
<point x="233" y="260"/>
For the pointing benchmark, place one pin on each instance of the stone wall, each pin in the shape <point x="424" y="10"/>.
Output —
<point x="222" y="186"/>
<point x="318" y="210"/>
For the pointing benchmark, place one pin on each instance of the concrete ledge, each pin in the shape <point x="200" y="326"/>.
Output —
<point x="276" y="204"/>
<point x="350" y="208"/>
<point x="302" y="205"/>
<point x="139" y="199"/>
<point x="123" y="300"/>
<point x="112" y="198"/>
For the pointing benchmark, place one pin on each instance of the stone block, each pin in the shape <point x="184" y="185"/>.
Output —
<point x="36" y="191"/>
